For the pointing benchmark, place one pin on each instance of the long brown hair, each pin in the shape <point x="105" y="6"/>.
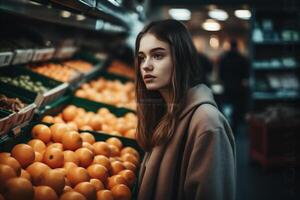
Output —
<point x="157" y="119"/>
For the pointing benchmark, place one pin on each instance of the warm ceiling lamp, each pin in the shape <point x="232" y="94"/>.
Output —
<point x="218" y="14"/>
<point x="181" y="14"/>
<point x="211" y="25"/>
<point x="243" y="14"/>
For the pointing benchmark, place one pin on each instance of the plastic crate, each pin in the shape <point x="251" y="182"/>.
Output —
<point x="6" y="121"/>
<point x="25" y="114"/>
<point x="56" y="90"/>
<point x="273" y="144"/>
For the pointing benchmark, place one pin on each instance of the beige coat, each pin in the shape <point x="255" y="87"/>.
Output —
<point x="199" y="162"/>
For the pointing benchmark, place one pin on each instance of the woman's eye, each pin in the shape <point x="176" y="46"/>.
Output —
<point x="158" y="56"/>
<point x="141" y="59"/>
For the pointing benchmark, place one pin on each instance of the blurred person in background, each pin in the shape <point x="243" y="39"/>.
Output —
<point x="189" y="146"/>
<point x="234" y="71"/>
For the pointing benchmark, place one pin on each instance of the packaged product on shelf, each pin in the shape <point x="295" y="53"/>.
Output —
<point x="10" y="104"/>
<point x="61" y="159"/>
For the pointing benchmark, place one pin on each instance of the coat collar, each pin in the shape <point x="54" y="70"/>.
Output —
<point x="195" y="96"/>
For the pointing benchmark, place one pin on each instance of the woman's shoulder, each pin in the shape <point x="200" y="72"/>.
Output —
<point x="207" y="117"/>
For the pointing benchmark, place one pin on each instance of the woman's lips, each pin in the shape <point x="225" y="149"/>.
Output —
<point x="148" y="78"/>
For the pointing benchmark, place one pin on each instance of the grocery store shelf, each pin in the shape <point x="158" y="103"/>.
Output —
<point x="277" y="43"/>
<point x="47" y="13"/>
<point x="275" y="68"/>
<point x="276" y="95"/>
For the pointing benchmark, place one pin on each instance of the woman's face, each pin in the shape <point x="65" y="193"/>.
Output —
<point x="155" y="62"/>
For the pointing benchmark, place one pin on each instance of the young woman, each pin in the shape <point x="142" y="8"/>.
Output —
<point x="190" y="149"/>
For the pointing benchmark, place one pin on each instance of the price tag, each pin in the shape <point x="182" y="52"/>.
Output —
<point x="5" y="58"/>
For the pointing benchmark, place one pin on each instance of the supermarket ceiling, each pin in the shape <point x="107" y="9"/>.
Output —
<point x="225" y="2"/>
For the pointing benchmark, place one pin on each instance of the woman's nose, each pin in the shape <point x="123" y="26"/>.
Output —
<point x="147" y="65"/>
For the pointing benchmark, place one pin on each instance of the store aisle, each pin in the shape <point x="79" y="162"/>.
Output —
<point x="256" y="183"/>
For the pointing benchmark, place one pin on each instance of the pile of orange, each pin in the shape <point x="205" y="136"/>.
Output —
<point x="79" y="65"/>
<point x="60" y="163"/>
<point x="112" y="92"/>
<point x="104" y="121"/>
<point x="56" y="71"/>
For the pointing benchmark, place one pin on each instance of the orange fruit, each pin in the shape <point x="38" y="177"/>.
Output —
<point x="86" y="189"/>
<point x="96" y="122"/>
<point x="69" y="113"/>
<point x="116" y="167"/>
<point x="115" y="141"/>
<point x="115" y="180"/>
<point x="77" y="175"/>
<point x="4" y="155"/>
<point x="24" y="154"/>
<point x="36" y="171"/>
<point x="54" y="157"/>
<point x="131" y="133"/>
<point x="69" y="165"/>
<point x="101" y="148"/>
<point x="129" y="176"/>
<point x="38" y="156"/>
<point x="85" y="156"/>
<point x="48" y="119"/>
<point x="6" y="172"/>
<point x="25" y="174"/>
<point x="114" y="151"/>
<point x="98" y="171"/>
<point x="44" y="193"/>
<point x="72" y="126"/>
<point x="79" y="121"/>
<point x="113" y="159"/>
<point x="130" y="158"/>
<point x="37" y="145"/>
<point x="67" y="188"/>
<point x="97" y="184"/>
<point x="54" y="179"/>
<point x="71" y="156"/>
<point x="121" y="192"/>
<point x="62" y="170"/>
<point x="18" y="189"/>
<point x="87" y="137"/>
<point x="68" y="183"/>
<point x="42" y="132"/>
<point x="131" y="151"/>
<point x="58" y="130"/>
<point x="72" y="195"/>
<point x="105" y="195"/>
<point x="130" y="166"/>
<point x="102" y="160"/>
<point x="103" y="111"/>
<point x="56" y="145"/>
<point x="86" y="128"/>
<point x="88" y="146"/>
<point x="71" y="141"/>
<point x="58" y="119"/>
<point x="12" y="162"/>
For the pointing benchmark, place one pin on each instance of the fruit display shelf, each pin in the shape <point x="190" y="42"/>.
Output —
<point x="88" y="115"/>
<point x="104" y="162"/>
<point x="41" y="89"/>
<point x="110" y="89"/>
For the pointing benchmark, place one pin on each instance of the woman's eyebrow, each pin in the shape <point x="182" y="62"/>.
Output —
<point x="153" y="50"/>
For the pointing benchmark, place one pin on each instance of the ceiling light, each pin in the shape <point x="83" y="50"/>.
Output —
<point x="80" y="17"/>
<point x="211" y="25"/>
<point x="218" y="14"/>
<point x="242" y="14"/>
<point x="65" y="14"/>
<point x="180" y="14"/>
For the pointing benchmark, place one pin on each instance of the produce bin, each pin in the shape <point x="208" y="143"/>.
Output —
<point x="25" y="114"/>
<point x="56" y="88"/>
<point x="6" y="121"/>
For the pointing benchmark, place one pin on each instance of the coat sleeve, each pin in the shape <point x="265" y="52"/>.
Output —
<point x="211" y="173"/>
